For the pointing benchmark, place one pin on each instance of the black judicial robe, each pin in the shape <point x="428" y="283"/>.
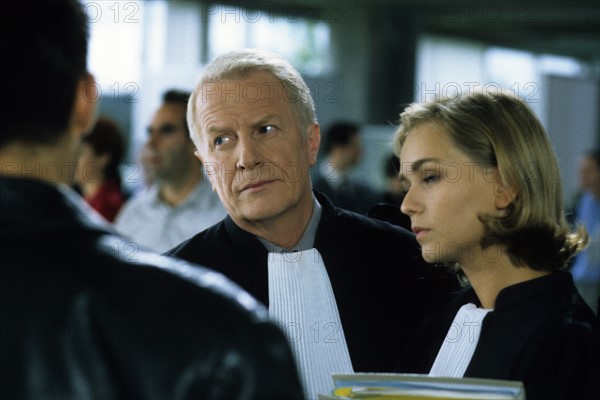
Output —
<point x="541" y="332"/>
<point x="382" y="286"/>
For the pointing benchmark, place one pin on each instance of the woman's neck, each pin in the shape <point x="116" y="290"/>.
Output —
<point x="489" y="277"/>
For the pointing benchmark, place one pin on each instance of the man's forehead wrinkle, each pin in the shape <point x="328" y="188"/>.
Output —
<point x="222" y="117"/>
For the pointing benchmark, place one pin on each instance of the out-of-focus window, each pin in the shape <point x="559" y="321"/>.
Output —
<point x="304" y="42"/>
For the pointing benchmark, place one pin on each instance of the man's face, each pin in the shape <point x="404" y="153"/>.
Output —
<point x="354" y="150"/>
<point x="170" y="152"/>
<point x="589" y="174"/>
<point x="253" y="150"/>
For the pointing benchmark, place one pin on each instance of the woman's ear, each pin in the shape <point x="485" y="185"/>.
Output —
<point x="505" y="194"/>
<point x="84" y="107"/>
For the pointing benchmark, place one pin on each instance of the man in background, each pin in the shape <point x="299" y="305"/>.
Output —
<point x="181" y="202"/>
<point x="78" y="321"/>
<point x="343" y="150"/>
<point x="586" y="266"/>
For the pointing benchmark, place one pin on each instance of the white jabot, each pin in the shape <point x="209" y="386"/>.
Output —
<point x="301" y="301"/>
<point x="460" y="343"/>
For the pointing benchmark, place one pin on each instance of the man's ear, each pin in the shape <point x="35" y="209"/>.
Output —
<point x="198" y="156"/>
<point x="313" y="141"/>
<point x="84" y="107"/>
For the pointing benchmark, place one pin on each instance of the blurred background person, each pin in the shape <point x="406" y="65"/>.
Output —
<point x="342" y="150"/>
<point x="180" y="202"/>
<point x="97" y="174"/>
<point x="394" y="193"/>
<point x="586" y="267"/>
<point x="146" y="163"/>
<point x="388" y="208"/>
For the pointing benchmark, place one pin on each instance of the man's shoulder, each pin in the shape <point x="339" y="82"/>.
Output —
<point x="205" y="240"/>
<point x="172" y="280"/>
<point x="351" y="221"/>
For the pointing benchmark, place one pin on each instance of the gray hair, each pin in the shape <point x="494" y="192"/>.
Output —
<point x="241" y="63"/>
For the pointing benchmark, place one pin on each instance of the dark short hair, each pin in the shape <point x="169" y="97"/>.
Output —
<point x="106" y="138"/>
<point x="594" y="154"/>
<point x="44" y="54"/>
<point x="391" y="166"/>
<point x="174" y="96"/>
<point x="339" y="134"/>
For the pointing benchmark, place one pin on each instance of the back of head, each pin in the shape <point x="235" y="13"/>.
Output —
<point x="241" y="63"/>
<point x="391" y="166"/>
<point x="44" y="51"/>
<point x="594" y="155"/>
<point x="339" y="134"/>
<point x="498" y="130"/>
<point x="106" y="138"/>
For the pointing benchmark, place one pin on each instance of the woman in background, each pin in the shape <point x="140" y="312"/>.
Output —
<point x="484" y="196"/>
<point x="97" y="175"/>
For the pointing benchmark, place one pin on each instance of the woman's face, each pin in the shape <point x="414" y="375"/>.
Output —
<point x="447" y="192"/>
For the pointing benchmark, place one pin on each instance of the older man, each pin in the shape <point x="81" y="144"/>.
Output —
<point x="347" y="289"/>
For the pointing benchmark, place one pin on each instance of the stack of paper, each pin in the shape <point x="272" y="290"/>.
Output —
<point x="373" y="386"/>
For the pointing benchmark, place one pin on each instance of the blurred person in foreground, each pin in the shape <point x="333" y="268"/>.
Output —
<point x="78" y="321"/>
<point x="484" y="197"/>
<point x="97" y="176"/>
<point x="346" y="288"/>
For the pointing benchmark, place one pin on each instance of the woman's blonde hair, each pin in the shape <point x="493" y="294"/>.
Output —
<point x="499" y="130"/>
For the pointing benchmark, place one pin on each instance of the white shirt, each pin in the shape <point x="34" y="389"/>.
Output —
<point x="302" y="302"/>
<point x="153" y="224"/>
<point x="459" y="345"/>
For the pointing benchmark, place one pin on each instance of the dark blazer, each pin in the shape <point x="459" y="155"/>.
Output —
<point x="352" y="194"/>
<point x="382" y="286"/>
<point x="541" y="332"/>
<point x="84" y="315"/>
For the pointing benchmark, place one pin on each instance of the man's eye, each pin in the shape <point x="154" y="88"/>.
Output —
<point x="167" y="129"/>
<point x="266" y="129"/>
<point x="219" y="141"/>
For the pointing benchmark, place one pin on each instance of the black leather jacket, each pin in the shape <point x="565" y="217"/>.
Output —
<point x="87" y="315"/>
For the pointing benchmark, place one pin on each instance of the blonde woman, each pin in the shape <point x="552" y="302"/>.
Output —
<point x="484" y="197"/>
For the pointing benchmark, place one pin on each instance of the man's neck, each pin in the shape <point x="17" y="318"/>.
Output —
<point x="175" y="192"/>
<point x="53" y="164"/>
<point x="595" y="194"/>
<point x="282" y="230"/>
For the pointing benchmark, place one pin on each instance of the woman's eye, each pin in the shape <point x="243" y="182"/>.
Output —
<point x="429" y="178"/>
